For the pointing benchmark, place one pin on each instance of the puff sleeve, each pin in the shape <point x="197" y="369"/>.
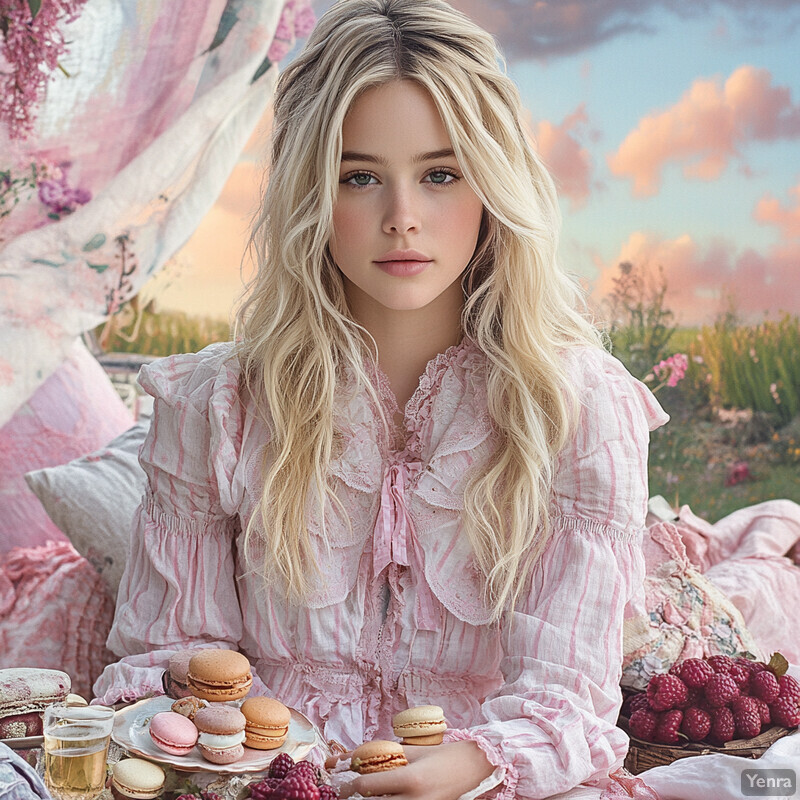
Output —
<point x="552" y="725"/>
<point x="178" y="588"/>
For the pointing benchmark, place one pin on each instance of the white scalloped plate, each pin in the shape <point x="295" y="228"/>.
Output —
<point x="132" y="731"/>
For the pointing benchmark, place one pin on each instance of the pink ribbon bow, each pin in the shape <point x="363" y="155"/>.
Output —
<point x="395" y="539"/>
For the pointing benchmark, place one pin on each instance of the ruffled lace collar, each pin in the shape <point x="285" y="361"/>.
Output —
<point x="418" y="409"/>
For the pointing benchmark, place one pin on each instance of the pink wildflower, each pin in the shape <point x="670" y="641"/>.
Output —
<point x="672" y="369"/>
<point x="738" y="473"/>
<point x="30" y="47"/>
<point x="58" y="196"/>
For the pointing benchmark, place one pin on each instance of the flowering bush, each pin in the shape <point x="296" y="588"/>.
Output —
<point x="31" y="44"/>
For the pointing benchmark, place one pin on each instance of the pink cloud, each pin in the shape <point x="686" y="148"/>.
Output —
<point x="568" y="161"/>
<point x="699" y="279"/>
<point x="769" y="211"/>
<point x="706" y="128"/>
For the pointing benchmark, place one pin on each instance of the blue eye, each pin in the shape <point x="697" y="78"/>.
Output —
<point x="359" y="179"/>
<point x="441" y="177"/>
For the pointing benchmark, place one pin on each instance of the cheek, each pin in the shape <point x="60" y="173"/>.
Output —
<point x="348" y="227"/>
<point x="463" y="224"/>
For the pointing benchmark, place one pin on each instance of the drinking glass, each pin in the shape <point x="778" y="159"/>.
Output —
<point x="75" y="750"/>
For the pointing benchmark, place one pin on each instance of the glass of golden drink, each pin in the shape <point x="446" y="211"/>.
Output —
<point x="75" y="750"/>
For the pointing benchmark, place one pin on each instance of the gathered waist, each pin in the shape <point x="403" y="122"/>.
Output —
<point x="354" y="703"/>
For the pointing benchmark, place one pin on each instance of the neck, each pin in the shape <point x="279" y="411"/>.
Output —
<point x="408" y="340"/>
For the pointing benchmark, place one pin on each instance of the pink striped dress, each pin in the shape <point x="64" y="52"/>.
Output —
<point x="397" y="618"/>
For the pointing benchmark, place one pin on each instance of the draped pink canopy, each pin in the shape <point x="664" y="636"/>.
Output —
<point x="137" y="130"/>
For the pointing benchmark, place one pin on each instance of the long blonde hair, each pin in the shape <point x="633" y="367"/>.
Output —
<point x="297" y="339"/>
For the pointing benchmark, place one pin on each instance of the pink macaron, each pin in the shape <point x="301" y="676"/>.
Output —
<point x="173" y="733"/>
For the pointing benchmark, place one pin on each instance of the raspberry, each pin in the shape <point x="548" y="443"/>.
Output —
<point x="785" y="711"/>
<point x="763" y="712"/>
<point x="281" y="765"/>
<point x="665" y="692"/>
<point x="295" y="789"/>
<point x="206" y="795"/>
<point x="789" y="687"/>
<point x="695" y="673"/>
<point x="723" y="728"/>
<point x="721" y="664"/>
<point x="639" y="701"/>
<point x="720" y="690"/>
<point x="643" y="724"/>
<point x="746" y="717"/>
<point x="327" y="792"/>
<point x="696" y="698"/>
<point x="696" y="724"/>
<point x="667" y="727"/>
<point x="764" y="685"/>
<point x="263" y="789"/>
<point x="758" y="666"/>
<point x="305" y="770"/>
<point x="742" y="677"/>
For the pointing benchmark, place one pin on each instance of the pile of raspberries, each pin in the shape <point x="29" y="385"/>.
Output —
<point x="289" y="781"/>
<point x="713" y="700"/>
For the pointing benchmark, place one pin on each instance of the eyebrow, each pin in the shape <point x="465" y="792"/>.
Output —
<point x="433" y="155"/>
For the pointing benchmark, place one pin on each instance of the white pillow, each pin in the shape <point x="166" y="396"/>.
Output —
<point x="93" y="499"/>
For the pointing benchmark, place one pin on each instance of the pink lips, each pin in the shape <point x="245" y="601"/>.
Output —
<point x="403" y="263"/>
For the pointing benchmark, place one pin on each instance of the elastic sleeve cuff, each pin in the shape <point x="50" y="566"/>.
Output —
<point x="505" y="773"/>
<point x="121" y="683"/>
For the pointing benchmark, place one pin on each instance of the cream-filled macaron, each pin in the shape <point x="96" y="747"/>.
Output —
<point x="421" y="725"/>
<point x="137" y="779"/>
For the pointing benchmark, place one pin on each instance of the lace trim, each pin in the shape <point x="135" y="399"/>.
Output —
<point x="430" y="383"/>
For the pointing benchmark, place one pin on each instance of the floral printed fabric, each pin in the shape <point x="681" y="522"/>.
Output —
<point x="124" y="158"/>
<point x="684" y="614"/>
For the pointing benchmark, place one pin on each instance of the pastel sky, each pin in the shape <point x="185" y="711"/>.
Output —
<point x="672" y="129"/>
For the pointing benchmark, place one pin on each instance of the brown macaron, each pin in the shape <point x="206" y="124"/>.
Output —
<point x="221" y="733"/>
<point x="378" y="756"/>
<point x="421" y="725"/>
<point x="267" y="722"/>
<point x="219" y="675"/>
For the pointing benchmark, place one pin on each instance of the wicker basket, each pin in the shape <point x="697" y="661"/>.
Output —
<point x="644" y="755"/>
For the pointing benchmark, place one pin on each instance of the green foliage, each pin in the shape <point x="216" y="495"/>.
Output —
<point x="641" y="326"/>
<point x="755" y="367"/>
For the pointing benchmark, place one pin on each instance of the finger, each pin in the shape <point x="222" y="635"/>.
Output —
<point x="413" y="751"/>
<point x="332" y="760"/>
<point x="395" y="782"/>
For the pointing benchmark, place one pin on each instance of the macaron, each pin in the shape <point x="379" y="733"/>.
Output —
<point x="219" y="675"/>
<point x="173" y="733"/>
<point x="188" y="706"/>
<point x="421" y="725"/>
<point x="176" y="677"/>
<point x="267" y="722"/>
<point x="377" y="756"/>
<point x="221" y="733"/>
<point x="137" y="778"/>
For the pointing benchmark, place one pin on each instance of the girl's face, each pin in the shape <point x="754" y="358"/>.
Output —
<point x="405" y="221"/>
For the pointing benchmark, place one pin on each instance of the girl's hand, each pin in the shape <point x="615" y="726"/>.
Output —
<point x="441" y="772"/>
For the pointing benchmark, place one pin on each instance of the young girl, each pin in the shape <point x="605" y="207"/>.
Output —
<point x="417" y="477"/>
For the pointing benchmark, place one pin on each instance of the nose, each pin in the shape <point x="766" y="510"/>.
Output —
<point x="401" y="214"/>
